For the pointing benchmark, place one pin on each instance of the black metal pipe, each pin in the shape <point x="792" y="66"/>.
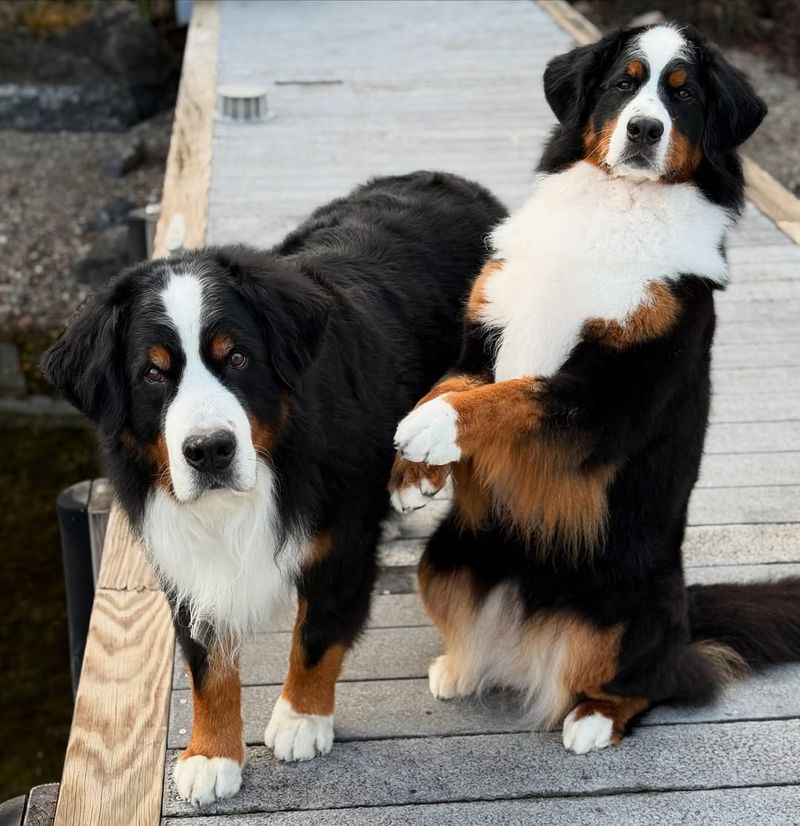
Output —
<point x="73" y="521"/>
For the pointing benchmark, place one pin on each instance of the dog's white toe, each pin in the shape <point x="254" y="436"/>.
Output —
<point x="429" y="433"/>
<point x="589" y="733"/>
<point x="294" y="737"/>
<point x="443" y="678"/>
<point x="202" y="780"/>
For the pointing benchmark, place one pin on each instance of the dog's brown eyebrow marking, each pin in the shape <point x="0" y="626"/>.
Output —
<point x="677" y="78"/>
<point x="221" y="345"/>
<point x="635" y="68"/>
<point x="159" y="357"/>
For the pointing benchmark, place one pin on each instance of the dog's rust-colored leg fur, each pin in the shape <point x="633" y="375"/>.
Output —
<point x="217" y="725"/>
<point x="311" y="688"/>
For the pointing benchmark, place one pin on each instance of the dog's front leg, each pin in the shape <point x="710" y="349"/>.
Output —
<point x="301" y="726"/>
<point x="210" y="767"/>
<point x="463" y="424"/>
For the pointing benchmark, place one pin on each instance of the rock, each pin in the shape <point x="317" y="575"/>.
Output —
<point x="649" y="18"/>
<point x="123" y="45"/>
<point x="108" y="255"/>
<point x="126" y="160"/>
<point x="114" y="212"/>
<point x="37" y="107"/>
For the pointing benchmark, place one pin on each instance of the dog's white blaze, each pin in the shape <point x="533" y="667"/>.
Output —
<point x="658" y="46"/>
<point x="202" y="404"/>
<point x="222" y="553"/>
<point x="585" y="245"/>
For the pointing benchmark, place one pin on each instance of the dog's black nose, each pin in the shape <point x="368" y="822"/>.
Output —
<point x="645" y="130"/>
<point x="212" y="453"/>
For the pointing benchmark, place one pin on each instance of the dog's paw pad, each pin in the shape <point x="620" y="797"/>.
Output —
<point x="295" y="737"/>
<point x="587" y="733"/>
<point x="202" y="780"/>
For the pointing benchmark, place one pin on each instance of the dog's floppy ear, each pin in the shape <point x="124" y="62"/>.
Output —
<point x="734" y="109"/>
<point x="86" y="363"/>
<point x="571" y="79"/>
<point x="290" y="303"/>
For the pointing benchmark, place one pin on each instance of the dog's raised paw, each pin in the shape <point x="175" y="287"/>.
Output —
<point x="296" y="737"/>
<point x="429" y="433"/>
<point x="202" y="780"/>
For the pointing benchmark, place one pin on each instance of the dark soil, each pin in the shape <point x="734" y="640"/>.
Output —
<point x="35" y="692"/>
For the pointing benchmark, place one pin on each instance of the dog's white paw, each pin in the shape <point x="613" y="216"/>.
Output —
<point x="589" y="733"/>
<point x="414" y="497"/>
<point x="293" y="736"/>
<point x="428" y="434"/>
<point x="202" y="780"/>
<point x="443" y="678"/>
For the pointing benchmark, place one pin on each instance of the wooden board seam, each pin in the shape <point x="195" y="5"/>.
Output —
<point x="771" y="197"/>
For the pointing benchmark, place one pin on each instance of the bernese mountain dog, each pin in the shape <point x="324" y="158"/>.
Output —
<point x="573" y="425"/>
<point x="246" y="402"/>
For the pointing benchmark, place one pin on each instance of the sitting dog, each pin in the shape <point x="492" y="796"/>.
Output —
<point x="573" y="425"/>
<point x="246" y="403"/>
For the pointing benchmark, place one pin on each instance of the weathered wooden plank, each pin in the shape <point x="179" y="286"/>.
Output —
<point x="383" y="709"/>
<point x="752" y="437"/>
<point x="764" y="311"/>
<point x="766" y="289"/>
<point x="115" y="756"/>
<point x="774" y="806"/>
<point x="774" y="199"/>
<point x="751" y="332"/>
<point x="754" y="380"/>
<point x="125" y="566"/>
<point x="777" y="406"/>
<point x="426" y="770"/>
<point x="40" y="808"/>
<point x="731" y="506"/>
<point x="763" y="255"/>
<point x="184" y="201"/>
<point x="757" y="355"/>
<point x="711" y="545"/>
<point x="383" y="653"/>
<point x="752" y="469"/>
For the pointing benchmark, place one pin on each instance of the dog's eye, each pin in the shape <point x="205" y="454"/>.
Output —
<point x="685" y="94"/>
<point x="237" y="359"/>
<point x="153" y="375"/>
<point x="624" y="85"/>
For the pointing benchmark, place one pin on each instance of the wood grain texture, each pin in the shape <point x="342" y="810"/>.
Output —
<point x="125" y="566"/>
<point x="116" y="746"/>
<point x="114" y="766"/>
<point x="771" y="197"/>
<point x="184" y="203"/>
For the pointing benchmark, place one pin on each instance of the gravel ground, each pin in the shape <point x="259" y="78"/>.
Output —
<point x="51" y="186"/>
<point x="774" y="145"/>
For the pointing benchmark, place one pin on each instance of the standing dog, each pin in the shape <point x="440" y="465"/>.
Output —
<point x="246" y="403"/>
<point x="573" y="426"/>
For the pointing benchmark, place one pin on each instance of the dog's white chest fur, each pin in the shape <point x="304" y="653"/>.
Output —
<point x="585" y="245"/>
<point x="223" y="554"/>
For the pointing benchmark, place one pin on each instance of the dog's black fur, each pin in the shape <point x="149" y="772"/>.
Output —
<point x="345" y="323"/>
<point x="642" y="409"/>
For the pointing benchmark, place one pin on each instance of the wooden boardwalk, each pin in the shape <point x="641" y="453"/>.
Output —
<point x="360" y="89"/>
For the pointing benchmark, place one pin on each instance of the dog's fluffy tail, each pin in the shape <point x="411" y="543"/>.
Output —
<point x="737" y="628"/>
